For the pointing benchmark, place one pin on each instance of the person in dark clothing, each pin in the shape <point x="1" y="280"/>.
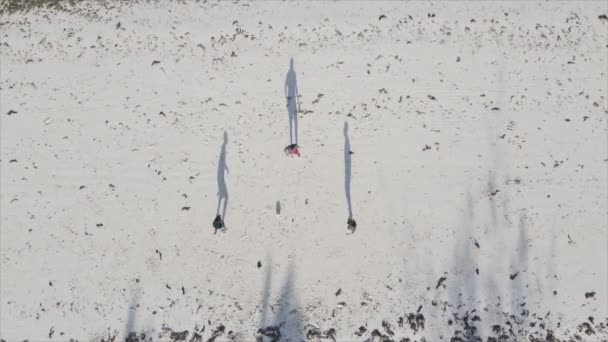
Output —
<point x="352" y="225"/>
<point x="218" y="223"/>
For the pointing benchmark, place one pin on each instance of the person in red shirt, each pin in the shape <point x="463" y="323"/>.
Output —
<point x="291" y="150"/>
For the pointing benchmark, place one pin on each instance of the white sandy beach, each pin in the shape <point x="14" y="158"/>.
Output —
<point x="478" y="173"/>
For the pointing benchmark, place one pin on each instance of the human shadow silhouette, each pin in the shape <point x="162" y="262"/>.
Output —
<point x="291" y="94"/>
<point x="352" y="224"/>
<point x="222" y="191"/>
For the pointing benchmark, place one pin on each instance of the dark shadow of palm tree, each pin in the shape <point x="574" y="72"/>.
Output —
<point x="291" y="94"/>
<point x="131" y="314"/>
<point x="266" y="291"/>
<point x="352" y="225"/>
<point x="222" y="191"/>
<point x="519" y="266"/>
<point x="288" y="315"/>
<point x="130" y="334"/>
<point x="463" y="293"/>
<point x="287" y="322"/>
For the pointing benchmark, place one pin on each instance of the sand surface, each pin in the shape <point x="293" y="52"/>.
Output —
<point x="477" y="178"/>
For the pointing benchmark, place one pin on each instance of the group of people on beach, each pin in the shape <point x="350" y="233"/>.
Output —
<point x="293" y="107"/>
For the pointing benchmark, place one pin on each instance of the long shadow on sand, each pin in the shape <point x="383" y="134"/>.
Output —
<point x="222" y="191"/>
<point x="482" y="297"/>
<point x="130" y="334"/>
<point x="352" y="225"/>
<point x="291" y="94"/>
<point x="286" y="322"/>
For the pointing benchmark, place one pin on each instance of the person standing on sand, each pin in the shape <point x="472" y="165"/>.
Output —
<point x="292" y="149"/>
<point x="222" y="192"/>
<point x="291" y="95"/>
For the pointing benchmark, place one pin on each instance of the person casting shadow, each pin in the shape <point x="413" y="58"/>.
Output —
<point x="352" y="224"/>
<point x="291" y="95"/>
<point x="222" y="192"/>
